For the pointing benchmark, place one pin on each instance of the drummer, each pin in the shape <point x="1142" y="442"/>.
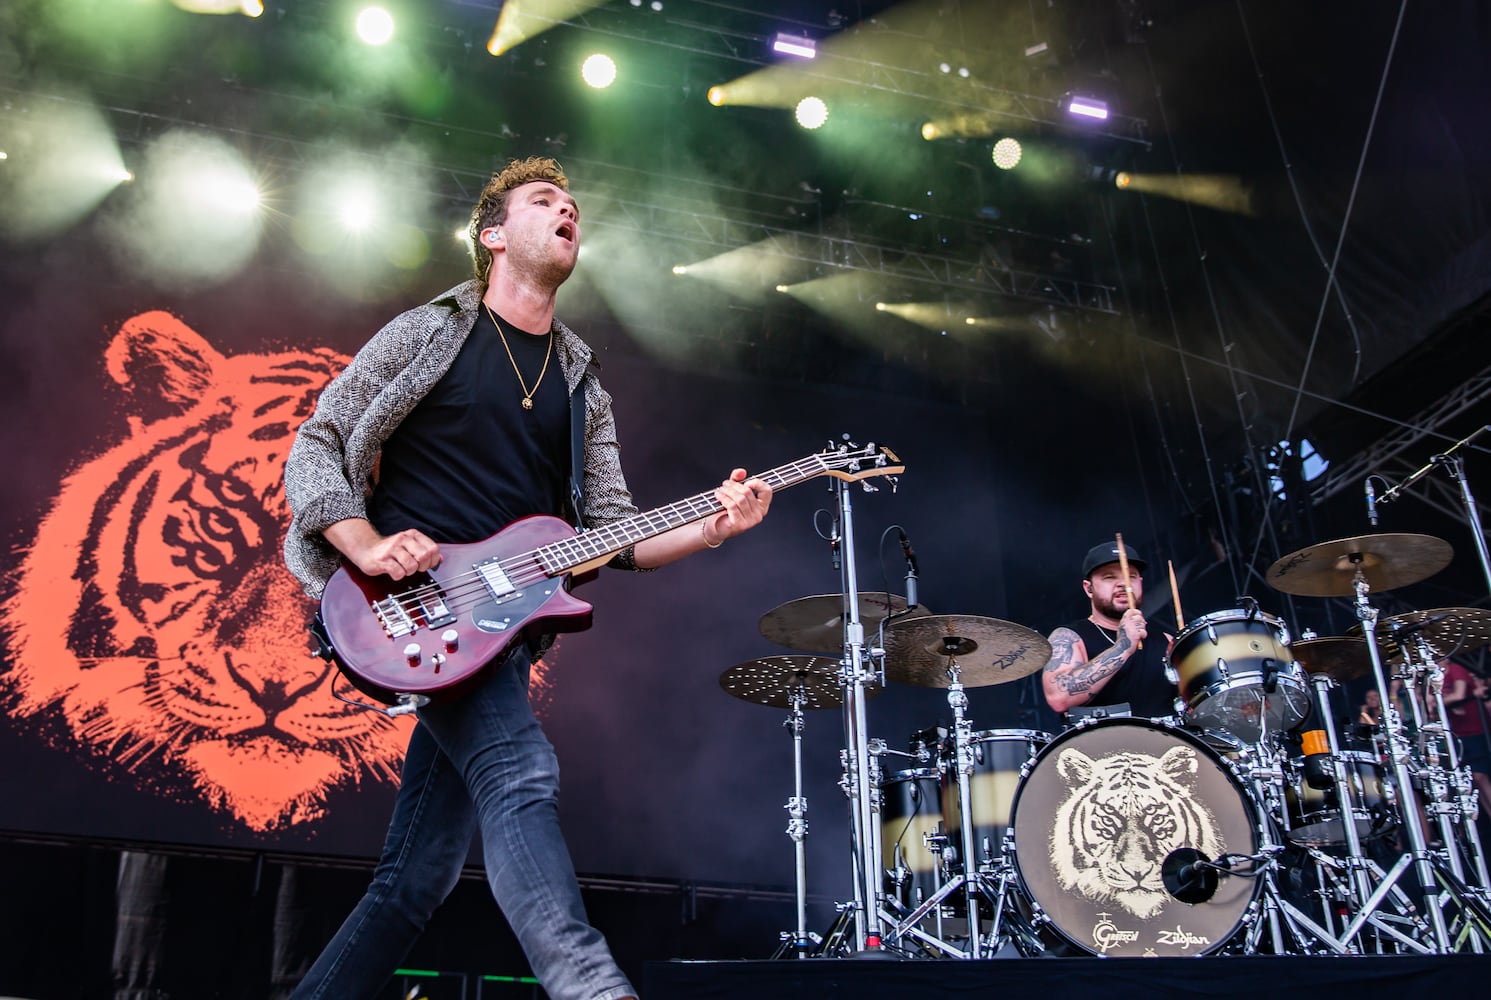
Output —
<point x="1097" y="662"/>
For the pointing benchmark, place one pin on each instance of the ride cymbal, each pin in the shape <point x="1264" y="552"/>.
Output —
<point x="816" y="624"/>
<point x="1344" y="657"/>
<point x="986" y="650"/>
<point x="1448" y="631"/>
<point x="1387" y="561"/>
<point x="773" y="680"/>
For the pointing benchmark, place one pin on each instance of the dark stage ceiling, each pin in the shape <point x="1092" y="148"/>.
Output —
<point x="1304" y="250"/>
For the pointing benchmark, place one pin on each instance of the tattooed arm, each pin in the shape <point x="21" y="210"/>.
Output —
<point x="1070" y="678"/>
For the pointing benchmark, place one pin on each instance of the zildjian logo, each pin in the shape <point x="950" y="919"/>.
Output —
<point x="1181" y="937"/>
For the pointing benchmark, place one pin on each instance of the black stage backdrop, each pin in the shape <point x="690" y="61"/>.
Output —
<point x="156" y="676"/>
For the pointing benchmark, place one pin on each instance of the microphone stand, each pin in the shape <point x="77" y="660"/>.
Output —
<point x="1453" y="464"/>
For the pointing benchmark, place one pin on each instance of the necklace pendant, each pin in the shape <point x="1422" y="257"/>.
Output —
<point x="527" y="402"/>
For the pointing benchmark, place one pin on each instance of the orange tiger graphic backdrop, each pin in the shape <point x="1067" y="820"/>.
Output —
<point x="152" y="610"/>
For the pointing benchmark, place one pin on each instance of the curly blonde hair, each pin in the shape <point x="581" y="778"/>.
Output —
<point x="491" y="207"/>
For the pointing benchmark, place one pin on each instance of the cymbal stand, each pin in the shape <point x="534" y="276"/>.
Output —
<point x="797" y="823"/>
<point x="1358" y="868"/>
<point x="1452" y="787"/>
<point x="856" y="674"/>
<point x="1418" y="856"/>
<point x="968" y="880"/>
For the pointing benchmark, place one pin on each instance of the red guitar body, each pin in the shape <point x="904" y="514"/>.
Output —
<point x="384" y="665"/>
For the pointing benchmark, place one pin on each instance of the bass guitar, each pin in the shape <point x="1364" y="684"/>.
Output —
<point x="402" y="641"/>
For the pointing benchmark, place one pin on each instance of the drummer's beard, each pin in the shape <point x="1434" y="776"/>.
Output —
<point x="1110" y="609"/>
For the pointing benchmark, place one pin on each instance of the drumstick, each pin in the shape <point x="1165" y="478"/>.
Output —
<point x="1180" y="620"/>
<point x="1123" y="567"/>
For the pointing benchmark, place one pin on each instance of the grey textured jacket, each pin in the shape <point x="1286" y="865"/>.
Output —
<point x="330" y="470"/>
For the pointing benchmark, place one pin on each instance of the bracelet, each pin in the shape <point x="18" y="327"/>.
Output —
<point x="704" y="534"/>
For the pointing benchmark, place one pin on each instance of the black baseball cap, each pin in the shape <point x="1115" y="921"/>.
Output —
<point x="1107" y="552"/>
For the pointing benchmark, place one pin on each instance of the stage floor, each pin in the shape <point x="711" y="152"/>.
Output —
<point x="1259" y="977"/>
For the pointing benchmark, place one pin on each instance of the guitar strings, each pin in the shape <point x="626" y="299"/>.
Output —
<point x="468" y="589"/>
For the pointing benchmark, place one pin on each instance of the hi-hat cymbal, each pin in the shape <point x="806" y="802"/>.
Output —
<point x="1448" y="631"/>
<point x="1387" y="561"/>
<point x="986" y="650"/>
<point x="773" y="680"/>
<point x="1344" y="657"/>
<point x="816" y="624"/>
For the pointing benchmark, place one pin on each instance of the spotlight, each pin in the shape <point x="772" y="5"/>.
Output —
<point x="1121" y="180"/>
<point x="355" y="209"/>
<point x="1007" y="153"/>
<point x="930" y="131"/>
<point x="1087" y="107"/>
<point x="374" y="25"/>
<point x="4" y="155"/>
<point x="794" y="45"/>
<point x="680" y="269"/>
<point x="716" y="96"/>
<point x="812" y="112"/>
<point x="598" y="70"/>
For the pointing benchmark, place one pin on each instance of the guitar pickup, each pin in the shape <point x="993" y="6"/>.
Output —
<point x="402" y="614"/>
<point x="496" y="580"/>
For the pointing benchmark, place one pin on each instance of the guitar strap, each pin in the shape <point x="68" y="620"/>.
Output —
<point x="577" y="454"/>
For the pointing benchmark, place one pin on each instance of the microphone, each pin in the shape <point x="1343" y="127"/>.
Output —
<point x="911" y="570"/>
<point x="833" y="544"/>
<point x="1371" y="503"/>
<point x="1188" y="875"/>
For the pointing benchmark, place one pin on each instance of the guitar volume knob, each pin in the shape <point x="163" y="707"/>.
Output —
<point x="452" y="640"/>
<point x="412" y="653"/>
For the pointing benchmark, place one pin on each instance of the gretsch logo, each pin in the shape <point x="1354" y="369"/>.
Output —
<point x="1106" y="934"/>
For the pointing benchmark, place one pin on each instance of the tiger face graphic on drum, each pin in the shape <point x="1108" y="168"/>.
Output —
<point x="1103" y="806"/>
<point x="1124" y="813"/>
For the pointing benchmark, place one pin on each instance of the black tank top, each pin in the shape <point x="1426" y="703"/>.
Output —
<point x="1141" y="681"/>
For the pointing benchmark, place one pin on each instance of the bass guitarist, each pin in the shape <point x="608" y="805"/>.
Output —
<point x="454" y="421"/>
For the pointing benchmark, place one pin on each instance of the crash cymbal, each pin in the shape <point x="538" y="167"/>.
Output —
<point x="1387" y="561"/>
<point x="1344" y="657"/>
<point x="772" y="680"/>
<point x="1448" y="631"/>
<point x="987" y="650"/>
<point x="816" y="624"/>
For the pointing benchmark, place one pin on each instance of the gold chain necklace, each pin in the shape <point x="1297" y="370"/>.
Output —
<point x="527" y="392"/>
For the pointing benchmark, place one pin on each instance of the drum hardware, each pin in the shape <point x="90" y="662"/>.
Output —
<point x="794" y="683"/>
<point x="1387" y="561"/>
<point x="938" y="652"/>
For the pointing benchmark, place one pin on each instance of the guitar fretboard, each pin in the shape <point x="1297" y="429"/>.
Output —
<point x="587" y="546"/>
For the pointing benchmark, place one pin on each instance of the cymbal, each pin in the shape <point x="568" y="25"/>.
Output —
<point x="1448" y="631"/>
<point x="772" y="680"/>
<point x="987" y="650"/>
<point x="1344" y="657"/>
<point x="1387" y="561"/>
<point x="816" y="624"/>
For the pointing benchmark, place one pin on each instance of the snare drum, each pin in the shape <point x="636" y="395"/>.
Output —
<point x="910" y="811"/>
<point x="1236" y="674"/>
<point x="999" y="756"/>
<point x="1103" y="807"/>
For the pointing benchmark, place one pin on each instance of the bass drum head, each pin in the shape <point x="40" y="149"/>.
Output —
<point x="1102" y="808"/>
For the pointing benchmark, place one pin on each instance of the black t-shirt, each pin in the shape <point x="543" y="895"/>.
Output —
<point x="1141" y="681"/>
<point x="468" y="460"/>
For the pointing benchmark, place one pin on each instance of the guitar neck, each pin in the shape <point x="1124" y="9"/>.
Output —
<point x="598" y="544"/>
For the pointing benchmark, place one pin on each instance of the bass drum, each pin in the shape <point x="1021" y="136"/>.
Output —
<point x="1103" y="806"/>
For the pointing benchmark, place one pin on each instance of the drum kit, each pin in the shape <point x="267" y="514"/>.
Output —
<point x="1250" y="822"/>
